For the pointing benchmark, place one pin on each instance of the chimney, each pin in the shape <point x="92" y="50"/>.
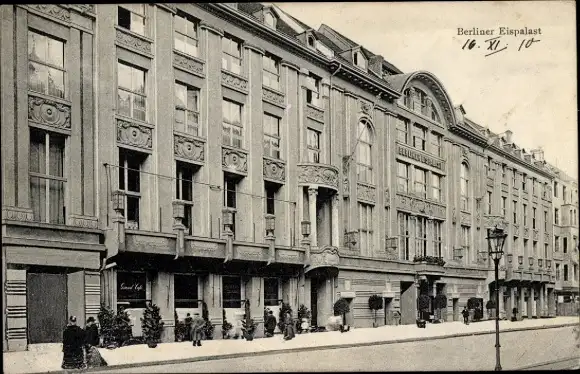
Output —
<point x="508" y="136"/>
<point x="376" y="64"/>
<point x="538" y="154"/>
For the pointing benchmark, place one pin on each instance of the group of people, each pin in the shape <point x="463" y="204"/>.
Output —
<point x="79" y="346"/>
<point x="289" y="329"/>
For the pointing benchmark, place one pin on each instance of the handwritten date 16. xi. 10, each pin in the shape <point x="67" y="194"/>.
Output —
<point x="496" y="45"/>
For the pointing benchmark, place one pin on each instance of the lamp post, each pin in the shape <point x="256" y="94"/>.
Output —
<point x="495" y="241"/>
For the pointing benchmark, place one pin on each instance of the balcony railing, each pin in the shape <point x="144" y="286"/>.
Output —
<point x="432" y="260"/>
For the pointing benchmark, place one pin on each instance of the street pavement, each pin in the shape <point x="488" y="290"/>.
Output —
<point x="36" y="361"/>
<point x="518" y="349"/>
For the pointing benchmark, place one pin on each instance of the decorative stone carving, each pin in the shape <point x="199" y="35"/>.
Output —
<point x="504" y="187"/>
<point x="416" y="205"/>
<point x="318" y="174"/>
<point x="366" y="108"/>
<point x="314" y="113"/>
<point x="235" y="160"/>
<point x="274" y="169"/>
<point x="465" y="218"/>
<point x="84" y="8"/>
<point x="454" y="216"/>
<point x="48" y="112"/>
<point x="234" y="81"/>
<point x="188" y="64"/>
<point x="84" y="222"/>
<point x="465" y="152"/>
<point x="547" y="237"/>
<point x="191" y="149"/>
<point x="328" y="256"/>
<point x="421" y="157"/>
<point x="17" y="214"/>
<point x="387" y="197"/>
<point x="492" y="221"/>
<point x="366" y="192"/>
<point x="536" y="235"/>
<point x="134" y="135"/>
<point x="526" y="232"/>
<point x="345" y="167"/>
<point x="516" y="228"/>
<point x="288" y="257"/>
<point x="133" y="42"/>
<point x="52" y="10"/>
<point x="272" y="96"/>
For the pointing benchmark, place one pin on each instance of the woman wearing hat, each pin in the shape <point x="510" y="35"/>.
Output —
<point x="73" y="340"/>
<point x="92" y="341"/>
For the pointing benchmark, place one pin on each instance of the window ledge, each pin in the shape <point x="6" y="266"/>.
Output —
<point x="56" y="99"/>
<point x="195" y="58"/>
<point x="133" y="33"/>
<point x="133" y="120"/>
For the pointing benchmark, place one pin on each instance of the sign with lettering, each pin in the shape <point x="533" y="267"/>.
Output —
<point x="131" y="286"/>
<point x="423" y="158"/>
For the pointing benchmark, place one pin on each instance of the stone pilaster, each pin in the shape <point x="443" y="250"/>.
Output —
<point x="312" y="196"/>
<point x="255" y="293"/>
<point x="162" y="295"/>
<point x="212" y="296"/>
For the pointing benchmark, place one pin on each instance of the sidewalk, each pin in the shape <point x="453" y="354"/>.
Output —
<point x="141" y="355"/>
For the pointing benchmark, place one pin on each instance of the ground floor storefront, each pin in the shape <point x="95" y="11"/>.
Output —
<point x="531" y="299"/>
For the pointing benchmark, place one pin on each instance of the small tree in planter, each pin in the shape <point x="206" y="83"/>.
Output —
<point x="226" y="326"/>
<point x="106" y="317"/>
<point x="423" y="305"/>
<point x="440" y="302"/>
<point x="303" y="314"/>
<point x="490" y="306"/>
<point x="285" y="308"/>
<point x="341" y="307"/>
<point x="180" y="329"/>
<point x="472" y="304"/>
<point x="208" y="328"/>
<point x="122" y="331"/>
<point x="152" y="325"/>
<point x="375" y="303"/>
<point x="249" y="328"/>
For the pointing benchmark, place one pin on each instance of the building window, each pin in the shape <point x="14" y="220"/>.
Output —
<point x="270" y="192"/>
<point x="313" y="90"/>
<point x="364" y="153"/>
<point x="503" y="173"/>
<point x="564" y="194"/>
<point x="230" y="197"/>
<point x="420" y="184"/>
<point x="271" y="292"/>
<point x="421" y="236"/>
<point x="408" y="98"/>
<point x="436" y="187"/>
<point x="271" y="136"/>
<point x="535" y="248"/>
<point x="271" y="72"/>
<point x="132" y="17"/>
<point x="526" y="248"/>
<point x="47" y="176"/>
<point x="311" y="41"/>
<point x="403" y="219"/>
<point x="232" y="128"/>
<point x="402" y="177"/>
<point x="131" y="290"/>
<point x="437" y="144"/>
<point x="556" y="216"/>
<point x="565" y="272"/>
<point x="365" y="214"/>
<point x="464" y="185"/>
<point x="546" y="220"/>
<point x="489" y="201"/>
<point x="437" y="241"/>
<point x="487" y="167"/>
<point x="185" y="37"/>
<point x="313" y="145"/>
<point x="557" y="271"/>
<point x="515" y="211"/>
<point x="46" y="72"/>
<point x="565" y="244"/>
<point x="534" y="218"/>
<point x="232" y="292"/>
<point x="402" y="130"/>
<point x="534" y="186"/>
<point x="556" y="243"/>
<point x="546" y="251"/>
<point x="184" y="192"/>
<point x="231" y="55"/>
<point x="185" y="291"/>
<point x="465" y="241"/>
<point x="514" y="179"/>
<point x="503" y="206"/>
<point x="359" y="60"/>
<point x="525" y="215"/>
<point x="555" y="189"/>
<point x="524" y="182"/>
<point x="132" y="99"/>
<point x="419" y="135"/>
<point x="515" y="244"/>
<point x="186" y="109"/>
<point x="130" y="163"/>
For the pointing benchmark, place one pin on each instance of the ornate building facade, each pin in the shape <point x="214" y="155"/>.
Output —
<point x="241" y="156"/>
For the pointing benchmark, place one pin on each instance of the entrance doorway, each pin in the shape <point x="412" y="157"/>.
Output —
<point x="389" y="320"/>
<point x="314" y="285"/>
<point x="408" y="303"/>
<point x="47" y="307"/>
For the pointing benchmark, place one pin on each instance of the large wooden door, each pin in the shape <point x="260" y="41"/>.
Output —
<point x="47" y="307"/>
<point x="314" y="301"/>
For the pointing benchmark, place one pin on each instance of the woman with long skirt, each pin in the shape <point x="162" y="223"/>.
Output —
<point x="73" y="341"/>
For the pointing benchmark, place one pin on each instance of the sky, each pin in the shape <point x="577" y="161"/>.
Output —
<point x="531" y="91"/>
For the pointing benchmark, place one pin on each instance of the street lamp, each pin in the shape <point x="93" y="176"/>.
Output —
<point x="495" y="241"/>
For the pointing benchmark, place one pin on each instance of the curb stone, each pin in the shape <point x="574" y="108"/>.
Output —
<point x="300" y="349"/>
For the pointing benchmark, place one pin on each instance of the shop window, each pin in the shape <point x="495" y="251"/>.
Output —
<point x="271" y="292"/>
<point x="232" y="292"/>
<point x="131" y="290"/>
<point x="186" y="291"/>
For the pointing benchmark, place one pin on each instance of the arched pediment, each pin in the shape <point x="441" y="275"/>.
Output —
<point x="403" y="81"/>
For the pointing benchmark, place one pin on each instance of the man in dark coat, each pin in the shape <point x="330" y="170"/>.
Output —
<point x="270" y="324"/>
<point x="197" y="325"/>
<point x="187" y="322"/>
<point x="465" y="314"/>
<point x="73" y="340"/>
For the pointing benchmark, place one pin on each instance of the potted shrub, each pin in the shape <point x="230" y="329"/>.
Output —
<point x="490" y="306"/>
<point x="106" y="317"/>
<point x="375" y="303"/>
<point x="122" y="331"/>
<point x="341" y="308"/>
<point x="180" y="329"/>
<point x="440" y="302"/>
<point x="423" y="302"/>
<point x="208" y="328"/>
<point x="472" y="303"/>
<point x="226" y="326"/>
<point x="249" y="328"/>
<point x="303" y="318"/>
<point x="285" y="308"/>
<point x="152" y="325"/>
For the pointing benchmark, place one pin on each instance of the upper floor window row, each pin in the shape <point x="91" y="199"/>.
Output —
<point x="186" y="37"/>
<point x="364" y="152"/>
<point x="232" y="54"/>
<point x="419" y="137"/>
<point x="46" y="68"/>
<point x="131" y="93"/>
<point x="418" y="101"/>
<point x="132" y="17"/>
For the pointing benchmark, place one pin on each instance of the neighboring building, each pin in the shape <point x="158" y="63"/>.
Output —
<point x="241" y="155"/>
<point x="566" y="255"/>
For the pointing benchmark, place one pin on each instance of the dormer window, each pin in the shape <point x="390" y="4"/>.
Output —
<point x="359" y="60"/>
<point x="311" y="41"/>
<point x="270" y="20"/>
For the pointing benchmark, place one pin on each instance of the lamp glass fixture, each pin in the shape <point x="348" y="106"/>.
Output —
<point x="495" y="242"/>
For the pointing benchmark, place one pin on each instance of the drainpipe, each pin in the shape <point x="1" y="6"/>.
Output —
<point x="330" y="106"/>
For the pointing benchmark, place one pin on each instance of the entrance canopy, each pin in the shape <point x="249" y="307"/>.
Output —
<point x="323" y="262"/>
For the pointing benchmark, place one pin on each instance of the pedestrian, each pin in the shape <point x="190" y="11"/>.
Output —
<point x="188" y="321"/>
<point x="270" y="324"/>
<point x="197" y="325"/>
<point x="73" y="341"/>
<point x="396" y="317"/>
<point x="288" y="327"/>
<point x="92" y="340"/>
<point x="465" y="314"/>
